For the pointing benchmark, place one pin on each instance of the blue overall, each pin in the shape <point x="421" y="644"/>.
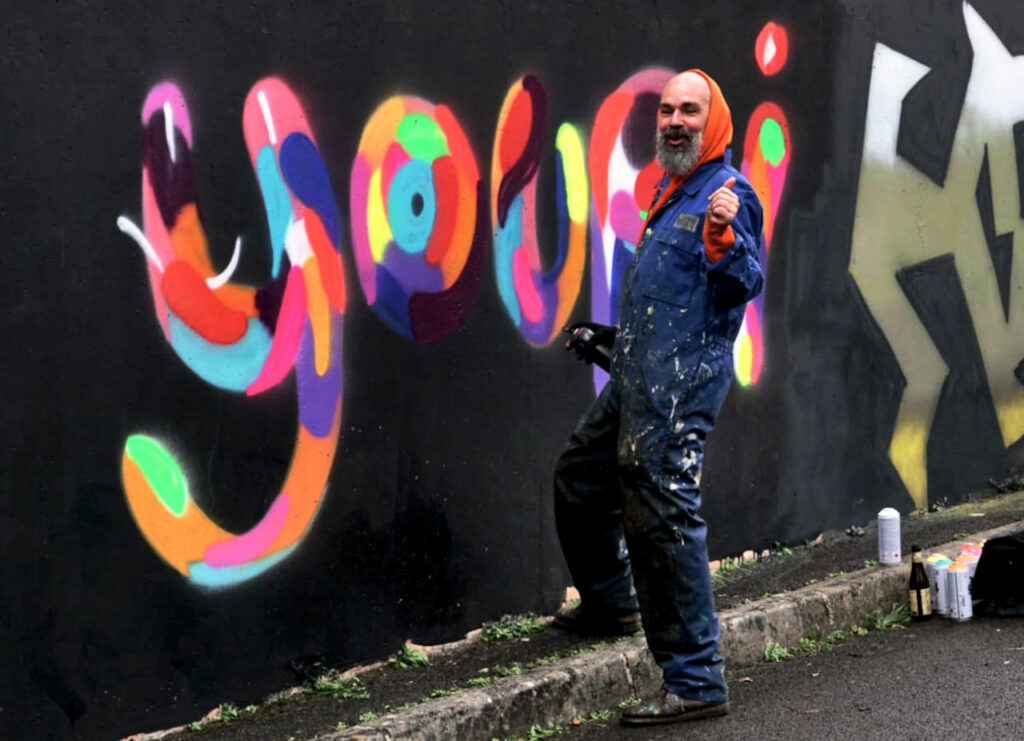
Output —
<point x="627" y="486"/>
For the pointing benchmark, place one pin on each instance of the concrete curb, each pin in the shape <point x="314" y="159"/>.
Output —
<point x="577" y="686"/>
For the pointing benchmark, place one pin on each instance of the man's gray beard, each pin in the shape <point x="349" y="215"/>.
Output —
<point x="678" y="160"/>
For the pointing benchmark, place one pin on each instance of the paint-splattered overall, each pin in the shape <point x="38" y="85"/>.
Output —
<point x="627" y="487"/>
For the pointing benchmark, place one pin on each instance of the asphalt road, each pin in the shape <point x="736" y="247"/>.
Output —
<point x="932" y="680"/>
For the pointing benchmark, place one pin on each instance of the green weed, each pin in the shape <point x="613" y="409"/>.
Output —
<point x="512" y="626"/>
<point x="407" y="657"/>
<point x="228" y="712"/>
<point x="870" y="563"/>
<point x="776" y="652"/>
<point x="368" y="716"/>
<point x="629" y="702"/>
<point x="480" y="681"/>
<point x="782" y="550"/>
<point x="445" y="692"/>
<point x="345" y="688"/>
<point x="894" y="619"/>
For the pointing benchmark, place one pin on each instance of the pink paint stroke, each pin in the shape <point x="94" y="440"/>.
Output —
<point x="529" y="300"/>
<point x="290" y="322"/>
<point x="253" y="544"/>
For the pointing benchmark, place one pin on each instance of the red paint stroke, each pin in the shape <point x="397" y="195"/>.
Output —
<point x="329" y="261"/>
<point x="516" y="131"/>
<point x="607" y="124"/>
<point x="771" y="48"/>
<point x="446" y="211"/>
<point x="194" y="303"/>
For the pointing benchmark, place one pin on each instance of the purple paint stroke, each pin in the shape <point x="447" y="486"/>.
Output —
<point x="318" y="395"/>
<point x="539" y="332"/>
<point x="600" y="311"/>
<point x="412" y="271"/>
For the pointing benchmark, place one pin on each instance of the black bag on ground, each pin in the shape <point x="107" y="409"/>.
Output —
<point x="998" y="585"/>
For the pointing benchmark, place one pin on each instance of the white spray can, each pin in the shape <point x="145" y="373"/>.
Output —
<point x="889" y="553"/>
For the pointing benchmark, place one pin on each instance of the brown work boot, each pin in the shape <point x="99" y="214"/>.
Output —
<point x="597" y="623"/>
<point x="668" y="707"/>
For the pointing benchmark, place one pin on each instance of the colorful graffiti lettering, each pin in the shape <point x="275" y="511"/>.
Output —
<point x="417" y="233"/>
<point x="236" y="337"/>
<point x="538" y="303"/>
<point x="916" y="236"/>
<point x="414" y="199"/>
<point x="766" y="154"/>
<point x="624" y="174"/>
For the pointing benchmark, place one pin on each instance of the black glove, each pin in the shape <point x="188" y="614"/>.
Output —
<point x="592" y="342"/>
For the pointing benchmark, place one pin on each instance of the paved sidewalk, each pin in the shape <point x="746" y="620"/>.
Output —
<point x="575" y="687"/>
<point x="791" y="594"/>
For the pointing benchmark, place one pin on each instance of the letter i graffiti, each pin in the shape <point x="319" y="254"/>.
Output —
<point x="766" y="153"/>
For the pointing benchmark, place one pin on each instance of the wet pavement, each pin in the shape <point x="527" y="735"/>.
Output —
<point x="932" y="680"/>
<point x="384" y="690"/>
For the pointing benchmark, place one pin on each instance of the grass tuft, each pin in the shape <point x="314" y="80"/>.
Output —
<point x="408" y="657"/>
<point x="512" y="626"/>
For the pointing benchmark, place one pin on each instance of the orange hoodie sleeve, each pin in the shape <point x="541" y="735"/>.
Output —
<point x="717" y="240"/>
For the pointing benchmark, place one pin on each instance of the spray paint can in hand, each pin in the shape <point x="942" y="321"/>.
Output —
<point x="889" y="553"/>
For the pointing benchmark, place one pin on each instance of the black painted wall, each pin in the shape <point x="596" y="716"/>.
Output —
<point x="436" y="516"/>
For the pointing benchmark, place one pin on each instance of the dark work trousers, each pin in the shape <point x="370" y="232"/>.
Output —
<point x="633" y="537"/>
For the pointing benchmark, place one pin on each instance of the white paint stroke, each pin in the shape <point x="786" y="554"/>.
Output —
<point x="219" y="280"/>
<point x="128" y="226"/>
<point x="267" y="118"/>
<point x="169" y="130"/>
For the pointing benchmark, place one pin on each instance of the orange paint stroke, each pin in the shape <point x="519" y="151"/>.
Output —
<point x="319" y="312"/>
<point x="179" y="540"/>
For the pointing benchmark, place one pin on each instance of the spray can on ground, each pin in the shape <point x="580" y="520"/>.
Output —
<point x="889" y="553"/>
<point x="935" y="566"/>
<point x="959" y="591"/>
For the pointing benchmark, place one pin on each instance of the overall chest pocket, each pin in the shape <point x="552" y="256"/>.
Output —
<point x="673" y="266"/>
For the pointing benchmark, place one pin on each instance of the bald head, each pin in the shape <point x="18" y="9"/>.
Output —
<point x="682" y="116"/>
<point x="687" y="85"/>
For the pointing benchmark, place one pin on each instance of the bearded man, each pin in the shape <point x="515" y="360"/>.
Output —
<point x="627" y="486"/>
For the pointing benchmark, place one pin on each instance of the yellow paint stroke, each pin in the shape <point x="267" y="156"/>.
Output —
<point x="907" y="453"/>
<point x="577" y="196"/>
<point x="377" y="225"/>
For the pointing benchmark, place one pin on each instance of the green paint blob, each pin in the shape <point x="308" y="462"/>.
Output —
<point x="421" y="137"/>
<point x="773" y="143"/>
<point x="161" y="471"/>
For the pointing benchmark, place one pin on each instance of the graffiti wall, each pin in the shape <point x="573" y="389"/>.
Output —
<point x="284" y="289"/>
